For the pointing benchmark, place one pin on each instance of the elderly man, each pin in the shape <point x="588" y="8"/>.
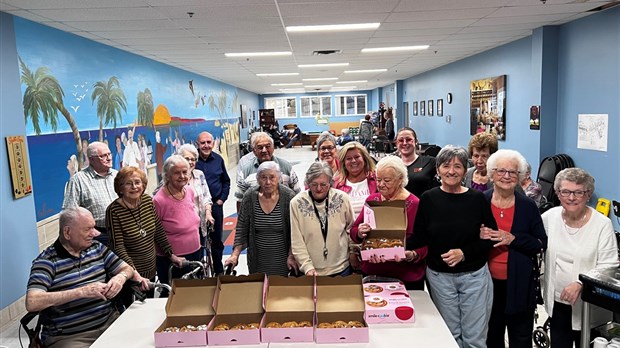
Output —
<point x="72" y="282"/>
<point x="93" y="187"/>
<point x="214" y="169"/>
<point x="262" y="146"/>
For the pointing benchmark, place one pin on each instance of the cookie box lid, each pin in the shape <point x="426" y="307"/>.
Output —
<point x="191" y="298"/>
<point x="239" y="294"/>
<point x="289" y="294"/>
<point x="339" y="294"/>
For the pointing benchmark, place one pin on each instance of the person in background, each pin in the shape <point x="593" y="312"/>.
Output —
<point x="391" y="180"/>
<point x="580" y="240"/>
<point x="135" y="229"/>
<point x="213" y="167"/>
<point x="520" y="237"/>
<point x="275" y="135"/>
<point x="345" y="137"/>
<point x="481" y="146"/>
<point x="174" y="205"/>
<point x="295" y="137"/>
<point x="118" y="158"/>
<point x="326" y="151"/>
<point x="131" y="155"/>
<point x="366" y="131"/>
<point x="448" y="221"/>
<point x="532" y="189"/>
<point x="389" y="124"/>
<point x="264" y="225"/>
<point x="320" y="220"/>
<point x="93" y="187"/>
<point x="421" y="170"/>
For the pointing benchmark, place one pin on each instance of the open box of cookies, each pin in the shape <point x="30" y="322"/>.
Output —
<point x="289" y="310"/>
<point x="340" y="310"/>
<point x="387" y="238"/>
<point x="238" y="302"/>
<point x="388" y="303"/>
<point x="188" y="312"/>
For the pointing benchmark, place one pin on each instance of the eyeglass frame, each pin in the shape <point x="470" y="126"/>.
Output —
<point x="577" y="193"/>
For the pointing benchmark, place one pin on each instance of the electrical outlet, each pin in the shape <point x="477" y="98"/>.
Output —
<point x="616" y="206"/>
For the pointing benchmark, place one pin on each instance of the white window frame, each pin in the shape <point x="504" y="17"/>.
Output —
<point x="321" y="103"/>
<point x="280" y="105"/>
<point x="343" y="97"/>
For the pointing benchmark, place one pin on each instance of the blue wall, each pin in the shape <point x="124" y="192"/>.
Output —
<point x="18" y="230"/>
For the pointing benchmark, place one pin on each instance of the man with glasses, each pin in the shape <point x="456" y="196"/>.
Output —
<point x="93" y="187"/>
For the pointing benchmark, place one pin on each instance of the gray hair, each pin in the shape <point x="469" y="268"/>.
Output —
<point x="187" y="148"/>
<point x="508" y="155"/>
<point x="325" y="136"/>
<point x="316" y="170"/>
<point x="345" y="131"/>
<point x="256" y="136"/>
<point x="173" y="161"/>
<point x="268" y="165"/>
<point x="574" y="175"/>
<point x="69" y="216"/>
<point x="91" y="149"/>
<point x="397" y="164"/>
<point x="448" y="152"/>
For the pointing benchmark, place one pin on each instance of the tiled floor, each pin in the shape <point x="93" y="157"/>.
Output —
<point x="301" y="158"/>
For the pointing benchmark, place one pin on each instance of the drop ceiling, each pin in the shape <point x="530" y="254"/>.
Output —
<point x="163" y="31"/>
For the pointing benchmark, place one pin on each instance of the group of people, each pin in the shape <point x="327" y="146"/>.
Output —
<point x="473" y="237"/>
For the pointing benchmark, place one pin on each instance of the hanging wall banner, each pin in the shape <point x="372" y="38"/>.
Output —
<point x="488" y="106"/>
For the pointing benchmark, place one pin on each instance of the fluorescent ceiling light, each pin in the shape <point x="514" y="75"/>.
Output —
<point x="358" y="81"/>
<point x="279" y="74"/>
<point x="321" y="79"/>
<point x="287" y="84"/>
<point x="395" y="49"/>
<point x="347" y="88"/>
<point x="321" y="65"/>
<point x="258" y="54"/>
<point x="293" y="90"/>
<point x="333" y="27"/>
<point x="317" y="86"/>
<point x="364" y="71"/>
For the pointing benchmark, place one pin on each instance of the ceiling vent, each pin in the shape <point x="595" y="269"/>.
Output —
<point x="325" y="52"/>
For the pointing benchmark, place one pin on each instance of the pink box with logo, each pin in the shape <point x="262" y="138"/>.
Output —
<point x="388" y="303"/>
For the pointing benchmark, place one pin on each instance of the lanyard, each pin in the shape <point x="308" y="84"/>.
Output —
<point x="324" y="226"/>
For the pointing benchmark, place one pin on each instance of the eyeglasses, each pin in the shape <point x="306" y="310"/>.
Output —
<point x="104" y="156"/>
<point x="511" y="173"/>
<point x="190" y="159"/>
<point x="327" y="148"/>
<point x="133" y="183"/>
<point x="316" y="185"/>
<point x="577" y="193"/>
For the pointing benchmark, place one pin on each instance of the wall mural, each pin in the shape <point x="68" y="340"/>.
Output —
<point x="76" y="91"/>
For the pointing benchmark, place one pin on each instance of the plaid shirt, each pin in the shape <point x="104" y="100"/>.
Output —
<point x="92" y="191"/>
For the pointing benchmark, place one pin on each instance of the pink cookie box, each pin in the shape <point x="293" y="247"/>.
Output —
<point x="237" y="300"/>
<point x="288" y="299"/>
<point x="390" y="219"/>
<point x="189" y="303"/>
<point x="388" y="303"/>
<point x="340" y="298"/>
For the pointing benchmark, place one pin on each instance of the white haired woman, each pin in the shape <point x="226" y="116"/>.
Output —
<point x="264" y="225"/>
<point x="580" y="239"/>
<point x="320" y="221"/>
<point x="519" y="238"/>
<point x="391" y="181"/>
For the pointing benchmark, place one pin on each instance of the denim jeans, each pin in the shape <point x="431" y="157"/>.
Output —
<point x="464" y="301"/>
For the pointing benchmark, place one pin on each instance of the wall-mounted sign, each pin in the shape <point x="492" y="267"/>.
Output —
<point x="19" y="165"/>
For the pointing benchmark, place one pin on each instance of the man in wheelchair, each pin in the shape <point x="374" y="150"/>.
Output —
<point x="73" y="281"/>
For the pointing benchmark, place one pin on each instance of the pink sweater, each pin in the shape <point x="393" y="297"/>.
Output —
<point x="405" y="271"/>
<point x="180" y="221"/>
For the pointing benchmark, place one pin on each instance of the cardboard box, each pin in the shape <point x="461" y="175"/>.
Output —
<point x="340" y="298"/>
<point x="189" y="303"/>
<point x="390" y="218"/>
<point x="388" y="303"/>
<point x="288" y="299"/>
<point x="237" y="300"/>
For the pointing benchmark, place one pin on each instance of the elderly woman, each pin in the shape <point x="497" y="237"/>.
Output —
<point x="580" y="239"/>
<point x="264" y="225"/>
<point x="326" y="150"/>
<point x="519" y="237"/>
<point x="135" y="229"/>
<point x="357" y="174"/>
<point x="420" y="169"/>
<point x="448" y="221"/>
<point x="320" y="220"/>
<point x="174" y="204"/>
<point x="481" y="146"/>
<point x="531" y="188"/>
<point x="391" y="180"/>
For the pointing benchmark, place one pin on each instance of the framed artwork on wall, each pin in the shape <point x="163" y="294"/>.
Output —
<point x="487" y="106"/>
<point x="422" y="108"/>
<point x="430" y="107"/>
<point x="415" y="108"/>
<point x="439" y="107"/>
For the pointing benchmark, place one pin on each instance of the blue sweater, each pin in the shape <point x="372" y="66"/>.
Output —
<point x="217" y="177"/>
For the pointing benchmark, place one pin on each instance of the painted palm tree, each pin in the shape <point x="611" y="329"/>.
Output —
<point x="44" y="97"/>
<point x="219" y="104"/>
<point x="110" y="100"/>
<point x="146" y="109"/>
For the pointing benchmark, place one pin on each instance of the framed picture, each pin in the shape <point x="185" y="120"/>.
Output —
<point x="244" y="116"/>
<point x="488" y="106"/>
<point x="415" y="108"/>
<point x="430" y="107"/>
<point x="422" y="110"/>
<point x="439" y="107"/>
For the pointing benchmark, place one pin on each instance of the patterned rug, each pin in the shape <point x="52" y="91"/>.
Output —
<point x="228" y="234"/>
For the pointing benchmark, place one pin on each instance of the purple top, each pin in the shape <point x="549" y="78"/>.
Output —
<point x="479" y="187"/>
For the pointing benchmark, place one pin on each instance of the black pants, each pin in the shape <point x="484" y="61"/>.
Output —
<point x="217" y="245"/>
<point x="126" y="295"/>
<point x="414" y="284"/>
<point x="519" y="325"/>
<point x="562" y="333"/>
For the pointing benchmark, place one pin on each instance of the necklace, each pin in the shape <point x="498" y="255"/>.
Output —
<point x="138" y="221"/>
<point x="581" y="221"/>
<point x="173" y="195"/>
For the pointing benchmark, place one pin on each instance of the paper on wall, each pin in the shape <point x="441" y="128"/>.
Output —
<point x="592" y="131"/>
